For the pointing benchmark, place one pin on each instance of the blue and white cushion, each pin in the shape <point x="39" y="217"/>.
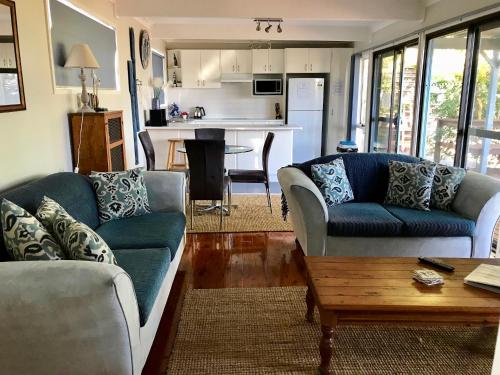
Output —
<point x="332" y="181"/>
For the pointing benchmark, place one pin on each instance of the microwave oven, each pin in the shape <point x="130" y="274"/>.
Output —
<point x="268" y="86"/>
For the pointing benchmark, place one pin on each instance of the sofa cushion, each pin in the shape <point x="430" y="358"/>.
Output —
<point x="154" y="230"/>
<point x="72" y="191"/>
<point x="447" y="180"/>
<point x="434" y="223"/>
<point x="332" y="182"/>
<point x="410" y="184"/>
<point x="368" y="173"/>
<point x="120" y="194"/>
<point x="25" y="237"/>
<point x="362" y="220"/>
<point x="147" y="269"/>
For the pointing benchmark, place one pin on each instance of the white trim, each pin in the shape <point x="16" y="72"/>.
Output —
<point x="63" y="90"/>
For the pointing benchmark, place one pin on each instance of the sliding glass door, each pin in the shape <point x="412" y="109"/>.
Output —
<point x="393" y="100"/>
<point x="483" y="141"/>
<point x="444" y="78"/>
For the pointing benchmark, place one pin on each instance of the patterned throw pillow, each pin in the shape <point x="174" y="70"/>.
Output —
<point x="81" y="243"/>
<point x="25" y="237"/>
<point x="447" y="180"/>
<point x="47" y="213"/>
<point x="120" y="194"/>
<point x="332" y="181"/>
<point x="410" y="184"/>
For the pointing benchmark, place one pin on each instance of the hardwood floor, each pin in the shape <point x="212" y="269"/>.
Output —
<point x="226" y="260"/>
<point x="239" y="260"/>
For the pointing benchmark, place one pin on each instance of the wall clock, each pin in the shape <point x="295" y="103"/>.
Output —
<point x="144" y="48"/>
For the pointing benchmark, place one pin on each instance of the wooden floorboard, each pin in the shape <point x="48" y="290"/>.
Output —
<point x="226" y="260"/>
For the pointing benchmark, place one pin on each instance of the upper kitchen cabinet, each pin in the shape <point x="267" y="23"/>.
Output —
<point x="201" y="68"/>
<point x="267" y="61"/>
<point x="236" y="61"/>
<point x="308" y="60"/>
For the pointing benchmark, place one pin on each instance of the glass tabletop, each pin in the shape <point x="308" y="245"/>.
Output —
<point x="229" y="149"/>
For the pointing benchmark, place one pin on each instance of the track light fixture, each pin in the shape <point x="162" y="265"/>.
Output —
<point x="270" y="22"/>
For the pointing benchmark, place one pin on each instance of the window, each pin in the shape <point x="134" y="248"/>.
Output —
<point x="444" y="78"/>
<point x="158" y="62"/>
<point x="359" y="95"/>
<point x="394" y="88"/>
<point x="483" y="144"/>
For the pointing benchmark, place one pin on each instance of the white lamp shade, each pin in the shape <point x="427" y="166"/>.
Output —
<point x="81" y="56"/>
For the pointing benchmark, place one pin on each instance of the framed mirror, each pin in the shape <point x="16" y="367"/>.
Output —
<point x="11" y="76"/>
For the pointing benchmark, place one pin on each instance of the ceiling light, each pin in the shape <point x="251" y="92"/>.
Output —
<point x="258" y="26"/>
<point x="278" y="29"/>
<point x="268" y="27"/>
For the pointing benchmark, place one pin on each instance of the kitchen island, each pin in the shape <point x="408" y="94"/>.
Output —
<point x="241" y="132"/>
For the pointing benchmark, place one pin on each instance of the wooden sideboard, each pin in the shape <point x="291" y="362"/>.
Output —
<point x="102" y="146"/>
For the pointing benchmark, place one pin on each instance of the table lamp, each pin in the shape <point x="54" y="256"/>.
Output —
<point x="82" y="57"/>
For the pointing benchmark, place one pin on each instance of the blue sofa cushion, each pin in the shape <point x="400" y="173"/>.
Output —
<point x="362" y="220"/>
<point x="434" y="223"/>
<point x="154" y="230"/>
<point x="72" y="191"/>
<point x="368" y="173"/>
<point x="147" y="269"/>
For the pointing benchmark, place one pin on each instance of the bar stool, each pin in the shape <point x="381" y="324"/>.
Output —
<point x="172" y="149"/>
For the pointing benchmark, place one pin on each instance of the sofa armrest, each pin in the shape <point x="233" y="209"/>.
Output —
<point x="307" y="209"/>
<point x="68" y="317"/>
<point x="166" y="190"/>
<point x="478" y="199"/>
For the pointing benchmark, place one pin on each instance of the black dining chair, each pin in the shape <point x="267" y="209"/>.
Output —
<point x="256" y="176"/>
<point x="207" y="180"/>
<point x="210" y="133"/>
<point x="149" y="150"/>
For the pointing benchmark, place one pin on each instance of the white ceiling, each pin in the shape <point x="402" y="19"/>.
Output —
<point x="303" y="20"/>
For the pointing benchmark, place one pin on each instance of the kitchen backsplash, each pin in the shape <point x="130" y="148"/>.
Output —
<point x="232" y="100"/>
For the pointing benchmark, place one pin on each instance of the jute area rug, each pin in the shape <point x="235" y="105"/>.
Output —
<point x="251" y="215"/>
<point x="263" y="331"/>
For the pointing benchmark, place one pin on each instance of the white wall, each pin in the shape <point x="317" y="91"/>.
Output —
<point x="36" y="142"/>
<point x="231" y="100"/>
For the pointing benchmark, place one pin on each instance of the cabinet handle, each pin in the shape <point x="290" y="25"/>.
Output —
<point x="238" y="68"/>
<point x="270" y="69"/>
<point x="10" y="63"/>
<point x="198" y="83"/>
<point x="203" y="83"/>
<point x="311" y="65"/>
<point x="233" y="68"/>
<point x="305" y="67"/>
<point x="265" y="68"/>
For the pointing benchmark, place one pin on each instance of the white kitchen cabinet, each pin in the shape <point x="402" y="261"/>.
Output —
<point x="276" y="61"/>
<point x="319" y="60"/>
<point x="255" y="140"/>
<point x="281" y="152"/>
<point x="308" y="60"/>
<point x="267" y="61"/>
<point x="260" y="60"/>
<point x="228" y="61"/>
<point x="190" y="69"/>
<point x="210" y="75"/>
<point x="297" y="60"/>
<point x="201" y="68"/>
<point x="236" y="61"/>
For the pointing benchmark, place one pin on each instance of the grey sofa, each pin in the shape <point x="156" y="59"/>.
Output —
<point x="78" y="317"/>
<point x="366" y="227"/>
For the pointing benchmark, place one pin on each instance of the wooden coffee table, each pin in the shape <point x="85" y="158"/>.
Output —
<point x="381" y="290"/>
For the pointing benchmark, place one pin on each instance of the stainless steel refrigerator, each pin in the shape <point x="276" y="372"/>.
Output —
<point x="305" y="109"/>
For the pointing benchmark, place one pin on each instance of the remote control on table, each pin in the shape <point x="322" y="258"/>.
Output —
<point x="436" y="263"/>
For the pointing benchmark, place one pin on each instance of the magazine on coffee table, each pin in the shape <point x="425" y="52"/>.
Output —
<point x="485" y="276"/>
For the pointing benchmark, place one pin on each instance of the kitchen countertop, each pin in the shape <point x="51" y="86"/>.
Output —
<point x="227" y="123"/>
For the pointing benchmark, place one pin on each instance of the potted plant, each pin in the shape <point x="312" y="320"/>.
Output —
<point x="157" y="90"/>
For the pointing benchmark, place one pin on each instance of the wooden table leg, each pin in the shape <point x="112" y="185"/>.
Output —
<point x="310" y="305"/>
<point x="325" y="349"/>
